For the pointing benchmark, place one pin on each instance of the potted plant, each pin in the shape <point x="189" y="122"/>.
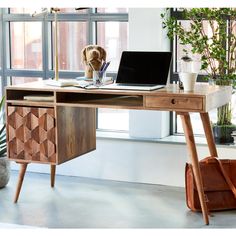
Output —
<point x="4" y="162"/>
<point x="211" y="33"/>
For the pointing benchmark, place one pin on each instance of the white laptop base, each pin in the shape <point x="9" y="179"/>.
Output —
<point x="131" y="87"/>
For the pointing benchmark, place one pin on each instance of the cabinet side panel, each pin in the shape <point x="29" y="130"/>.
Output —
<point x="76" y="132"/>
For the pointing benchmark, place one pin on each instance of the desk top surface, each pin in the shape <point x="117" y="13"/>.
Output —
<point x="203" y="99"/>
<point x="201" y="89"/>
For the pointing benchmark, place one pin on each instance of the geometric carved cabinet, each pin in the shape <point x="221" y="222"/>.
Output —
<point x="46" y="133"/>
<point x="31" y="133"/>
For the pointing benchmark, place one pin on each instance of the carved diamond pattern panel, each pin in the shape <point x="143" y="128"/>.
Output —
<point x="31" y="133"/>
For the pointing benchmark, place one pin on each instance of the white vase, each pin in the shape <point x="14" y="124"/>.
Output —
<point x="188" y="80"/>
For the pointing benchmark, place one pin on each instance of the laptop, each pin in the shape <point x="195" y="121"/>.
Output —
<point x="142" y="71"/>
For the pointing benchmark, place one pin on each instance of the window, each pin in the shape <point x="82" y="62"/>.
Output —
<point x="0" y="54"/>
<point x="112" y="10"/>
<point x="73" y="10"/>
<point x="71" y="40"/>
<point x="24" y="10"/>
<point x="178" y="53"/>
<point x="26" y="45"/>
<point x="113" y="119"/>
<point x="28" y="53"/>
<point x="22" y="80"/>
<point x="1" y="91"/>
<point x="114" y="36"/>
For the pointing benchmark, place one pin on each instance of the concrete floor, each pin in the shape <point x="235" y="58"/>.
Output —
<point x="89" y="203"/>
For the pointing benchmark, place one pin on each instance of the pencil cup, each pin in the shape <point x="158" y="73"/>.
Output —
<point x="98" y="78"/>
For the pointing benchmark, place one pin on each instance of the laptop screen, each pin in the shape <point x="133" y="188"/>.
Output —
<point x="144" y="67"/>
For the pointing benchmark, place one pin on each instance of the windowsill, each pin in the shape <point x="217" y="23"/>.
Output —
<point x="172" y="139"/>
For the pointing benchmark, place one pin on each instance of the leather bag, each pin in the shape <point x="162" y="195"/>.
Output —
<point x="219" y="181"/>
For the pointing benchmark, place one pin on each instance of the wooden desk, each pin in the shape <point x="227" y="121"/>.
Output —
<point x="62" y="129"/>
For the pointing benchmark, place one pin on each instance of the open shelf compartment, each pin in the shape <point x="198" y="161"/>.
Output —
<point x="20" y="94"/>
<point x="111" y="100"/>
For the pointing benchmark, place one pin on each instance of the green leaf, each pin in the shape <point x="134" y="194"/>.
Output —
<point x="3" y="151"/>
<point x="212" y="35"/>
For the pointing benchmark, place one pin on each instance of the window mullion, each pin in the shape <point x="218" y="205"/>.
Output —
<point x="45" y="47"/>
<point x="1" y="51"/>
<point x="6" y="49"/>
<point x="91" y="30"/>
<point x="1" y="39"/>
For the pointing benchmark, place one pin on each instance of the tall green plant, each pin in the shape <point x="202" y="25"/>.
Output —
<point x="3" y="146"/>
<point x="216" y="45"/>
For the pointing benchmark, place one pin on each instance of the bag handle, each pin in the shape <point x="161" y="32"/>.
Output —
<point x="224" y="173"/>
<point x="227" y="179"/>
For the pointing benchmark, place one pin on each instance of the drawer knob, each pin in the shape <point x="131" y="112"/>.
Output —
<point x="173" y="101"/>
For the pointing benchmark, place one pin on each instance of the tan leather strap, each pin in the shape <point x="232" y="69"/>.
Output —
<point x="227" y="179"/>
<point x="224" y="173"/>
<point x="208" y="159"/>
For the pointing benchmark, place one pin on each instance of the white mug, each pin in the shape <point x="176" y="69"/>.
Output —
<point x="188" y="80"/>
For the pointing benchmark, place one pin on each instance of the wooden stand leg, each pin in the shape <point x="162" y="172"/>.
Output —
<point x="20" y="180"/>
<point x="188" y="131"/>
<point x="209" y="134"/>
<point x="53" y="172"/>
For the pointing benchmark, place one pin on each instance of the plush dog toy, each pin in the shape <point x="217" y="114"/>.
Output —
<point x="95" y="55"/>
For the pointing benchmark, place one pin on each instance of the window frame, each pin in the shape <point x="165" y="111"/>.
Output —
<point x="91" y="17"/>
<point x="178" y="14"/>
<point x="6" y="17"/>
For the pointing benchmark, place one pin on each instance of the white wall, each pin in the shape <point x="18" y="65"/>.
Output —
<point x="132" y="161"/>
<point x="146" y="34"/>
<point x="145" y="30"/>
<point x="124" y="160"/>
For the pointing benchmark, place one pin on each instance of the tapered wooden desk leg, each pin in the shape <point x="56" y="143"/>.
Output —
<point x="20" y="180"/>
<point x="209" y="134"/>
<point x="53" y="172"/>
<point x="188" y="131"/>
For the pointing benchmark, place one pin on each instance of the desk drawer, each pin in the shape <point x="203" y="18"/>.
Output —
<point x="167" y="102"/>
<point x="31" y="134"/>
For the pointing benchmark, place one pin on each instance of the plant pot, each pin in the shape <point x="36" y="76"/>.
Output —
<point x="4" y="171"/>
<point x="222" y="133"/>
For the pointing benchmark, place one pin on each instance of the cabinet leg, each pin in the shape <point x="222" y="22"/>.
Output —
<point x="209" y="134"/>
<point x="53" y="172"/>
<point x="188" y="131"/>
<point x="20" y="180"/>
